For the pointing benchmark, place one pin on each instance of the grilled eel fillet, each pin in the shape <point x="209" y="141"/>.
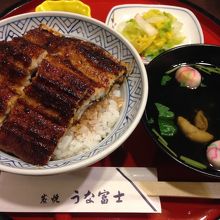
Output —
<point x="93" y="61"/>
<point x="65" y="84"/>
<point x="18" y="60"/>
<point x="63" y="88"/>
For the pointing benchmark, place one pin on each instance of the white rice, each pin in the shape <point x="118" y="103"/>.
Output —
<point x="95" y="124"/>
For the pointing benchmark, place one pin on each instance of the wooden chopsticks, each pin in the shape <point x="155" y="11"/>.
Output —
<point x="181" y="189"/>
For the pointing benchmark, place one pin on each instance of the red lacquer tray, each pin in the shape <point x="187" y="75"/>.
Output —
<point x="139" y="150"/>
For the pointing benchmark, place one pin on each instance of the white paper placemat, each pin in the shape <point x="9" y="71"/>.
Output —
<point x="95" y="189"/>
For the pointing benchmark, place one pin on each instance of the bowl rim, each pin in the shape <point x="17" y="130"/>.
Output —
<point x="183" y="46"/>
<point x="132" y="126"/>
<point x="146" y="124"/>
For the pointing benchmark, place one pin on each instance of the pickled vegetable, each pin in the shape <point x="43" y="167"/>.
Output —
<point x="152" y="32"/>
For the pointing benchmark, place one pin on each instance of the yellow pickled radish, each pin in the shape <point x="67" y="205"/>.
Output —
<point x="74" y="6"/>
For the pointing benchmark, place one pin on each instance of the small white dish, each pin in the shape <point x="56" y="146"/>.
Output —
<point x="191" y="28"/>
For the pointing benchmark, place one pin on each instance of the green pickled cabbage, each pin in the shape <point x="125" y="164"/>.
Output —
<point x="166" y="36"/>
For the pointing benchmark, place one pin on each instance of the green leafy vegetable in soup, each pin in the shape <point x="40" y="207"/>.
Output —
<point x="166" y="120"/>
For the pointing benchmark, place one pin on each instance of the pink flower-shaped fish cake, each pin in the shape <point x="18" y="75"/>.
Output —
<point x="213" y="154"/>
<point x="188" y="77"/>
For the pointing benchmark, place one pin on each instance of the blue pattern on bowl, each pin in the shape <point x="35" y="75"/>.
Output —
<point x="135" y="87"/>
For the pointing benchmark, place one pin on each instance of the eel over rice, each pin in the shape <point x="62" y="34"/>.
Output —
<point x="49" y="81"/>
